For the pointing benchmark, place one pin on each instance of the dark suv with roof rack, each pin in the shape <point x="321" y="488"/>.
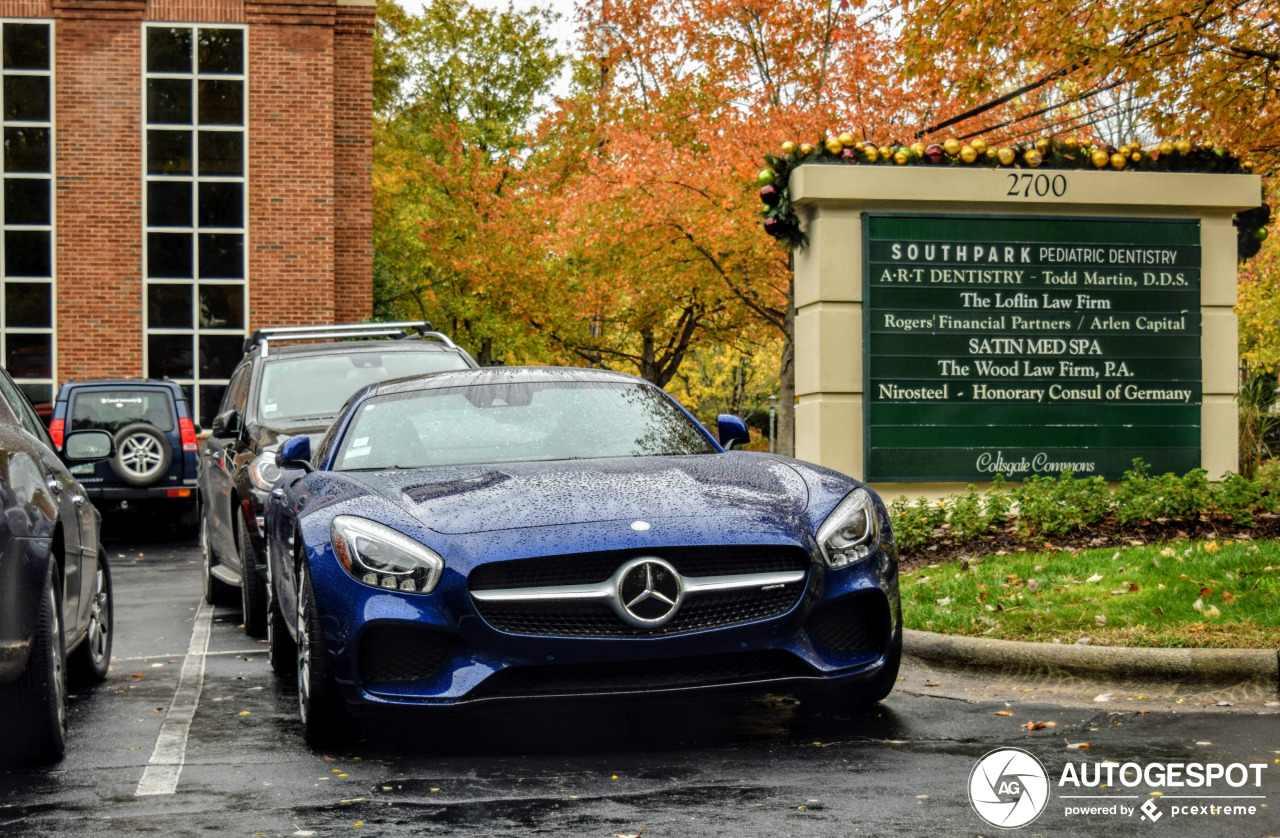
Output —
<point x="155" y="438"/>
<point x="292" y="380"/>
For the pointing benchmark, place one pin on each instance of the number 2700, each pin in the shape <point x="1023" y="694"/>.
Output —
<point x="1022" y="186"/>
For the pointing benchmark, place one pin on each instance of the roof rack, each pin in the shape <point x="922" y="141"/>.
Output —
<point x="404" y="330"/>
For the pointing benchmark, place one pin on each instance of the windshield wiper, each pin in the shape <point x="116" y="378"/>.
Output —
<point x="328" y="416"/>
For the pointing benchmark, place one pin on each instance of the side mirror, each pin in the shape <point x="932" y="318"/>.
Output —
<point x="733" y="431"/>
<point x="226" y="424"/>
<point x="88" y="446"/>
<point x="295" y="452"/>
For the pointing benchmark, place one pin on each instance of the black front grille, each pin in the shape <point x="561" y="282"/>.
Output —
<point x="397" y="653"/>
<point x="642" y="676"/>
<point x="857" y="623"/>
<point x="588" y="568"/>
<point x="593" y="619"/>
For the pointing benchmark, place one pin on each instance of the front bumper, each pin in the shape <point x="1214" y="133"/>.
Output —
<point x="391" y="649"/>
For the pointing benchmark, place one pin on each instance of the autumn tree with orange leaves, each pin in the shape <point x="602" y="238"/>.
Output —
<point x="688" y="97"/>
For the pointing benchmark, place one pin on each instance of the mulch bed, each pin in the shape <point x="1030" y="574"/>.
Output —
<point x="1106" y="533"/>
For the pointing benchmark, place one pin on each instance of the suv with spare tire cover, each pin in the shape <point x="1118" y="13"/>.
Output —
<point x="155" y="438"/>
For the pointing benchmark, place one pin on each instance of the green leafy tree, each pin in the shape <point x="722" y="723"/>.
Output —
<point x="456" y="88"/>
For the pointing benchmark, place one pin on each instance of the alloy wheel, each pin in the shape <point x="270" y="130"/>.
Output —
<point x="304" y="648"/>
<point x="98" y="636"/>
<point x="140" y="455"/>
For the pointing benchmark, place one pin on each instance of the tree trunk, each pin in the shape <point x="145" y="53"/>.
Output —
<point x="786" y="439"/>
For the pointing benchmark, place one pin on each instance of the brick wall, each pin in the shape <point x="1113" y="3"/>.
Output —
<point x="353" y="162"/>
<point x="291" y="194"/>
<point x="98" y="183"/>
<point x="309" y="223"/>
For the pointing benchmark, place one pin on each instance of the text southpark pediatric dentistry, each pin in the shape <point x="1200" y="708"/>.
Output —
<point x="1213" y="779"/>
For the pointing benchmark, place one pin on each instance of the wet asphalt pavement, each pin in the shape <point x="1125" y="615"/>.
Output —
<point x="753" y="767"/>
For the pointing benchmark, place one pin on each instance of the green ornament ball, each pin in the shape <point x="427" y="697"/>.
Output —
<point x="766" y="177"/>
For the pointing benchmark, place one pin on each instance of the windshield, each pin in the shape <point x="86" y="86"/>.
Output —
<point x="505" y="423"/>
<point x="115" y="409"/>
<point x="315" y="387"/>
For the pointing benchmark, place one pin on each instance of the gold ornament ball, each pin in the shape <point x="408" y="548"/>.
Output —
<point x="1071" y="143"/>
<point x="787" y="148"/>
<point x="1183" y="146"/>
<point x="1247" y="165"/>
<point x="871" y="153"/>
<point x="1042" y="145"/>
<point x="1165" y="147"/>
<point x="968" y="154"/>
<point x="991" y="154"/>
<point x="833" y="146"/>
<point x="951" y="147"/>
<point x="1135" y="156"/>
<point x="918" y="149"/>
<point x="1033" y="158"/>
<point x="1100" y="158"/>
<point x="1006" y="156"/>
<point x="806" y="149"/>
<point x="902" y="157"/>
<point x="859" y="145"/>
<point x="979" y="145"/>
<point x="886" y="152"/>
<point x="1207" y="145"/>
<point x="1118" y="161"/>
<point x="847" y="139"/>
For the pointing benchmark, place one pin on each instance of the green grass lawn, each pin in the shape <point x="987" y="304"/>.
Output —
<point x="1202" y="593"/>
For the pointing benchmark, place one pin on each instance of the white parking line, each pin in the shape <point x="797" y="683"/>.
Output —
<point x="161" y="773"/>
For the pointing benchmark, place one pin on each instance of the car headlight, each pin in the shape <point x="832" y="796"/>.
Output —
<point x="379" y="556"/>
<point x="263" y="471"/>
<point x="852" y="530"/>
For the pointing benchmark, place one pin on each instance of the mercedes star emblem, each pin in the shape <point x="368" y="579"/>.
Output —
<point x="649" y="592"/>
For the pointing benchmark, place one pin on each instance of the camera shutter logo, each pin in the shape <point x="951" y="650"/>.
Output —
<point x="1008" y="788"/>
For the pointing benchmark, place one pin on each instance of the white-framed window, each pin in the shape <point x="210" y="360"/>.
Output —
<point x="27" y="253"/>
<point x="195" y="204"/>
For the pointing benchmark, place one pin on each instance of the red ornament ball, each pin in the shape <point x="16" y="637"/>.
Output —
<point x="770" y="195"/>
<point x="935" y="154"/>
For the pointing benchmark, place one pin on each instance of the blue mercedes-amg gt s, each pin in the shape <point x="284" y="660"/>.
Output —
<point x="511" y="533"/>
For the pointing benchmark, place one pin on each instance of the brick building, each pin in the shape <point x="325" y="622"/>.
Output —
<point x="176" y="173"/>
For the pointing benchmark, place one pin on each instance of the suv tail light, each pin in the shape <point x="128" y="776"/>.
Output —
<point x="56" y="430"/>
<point x="188" y="431"/>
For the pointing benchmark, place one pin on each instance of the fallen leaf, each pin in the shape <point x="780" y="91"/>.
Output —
<point x="1102" y="697"/>
<point x="1198" y="605"/>
<point x="1228" y="597"/>
<point x="1078" y="746"/>
<point x="946" y="600"/>
<point x="1002" y="713"/>
<point x="1097" y="577"/>
<point x="244" y="713"/>
<point x="636" y="834"/>
<point x="1034" y="725"/>
<point x="1100" y="620"/>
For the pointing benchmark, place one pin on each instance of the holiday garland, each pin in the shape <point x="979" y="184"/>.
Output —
<point x="781" y="221"/>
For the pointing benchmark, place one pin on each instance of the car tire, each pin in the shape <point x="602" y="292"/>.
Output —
<point x="143" y="454"/>
<point x="90" y="661"/>
<point x="216" y="592"/>
<point x="323" y="712"/>
<point x="282" y="650"/>
<point x="35" y="706"/>
<point x="253" y="594"/>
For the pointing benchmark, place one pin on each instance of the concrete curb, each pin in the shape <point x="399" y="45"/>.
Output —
<point x="1209" y="668"/>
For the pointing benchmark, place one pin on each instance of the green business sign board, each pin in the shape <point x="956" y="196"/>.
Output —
<point x="1023" y="345"/>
